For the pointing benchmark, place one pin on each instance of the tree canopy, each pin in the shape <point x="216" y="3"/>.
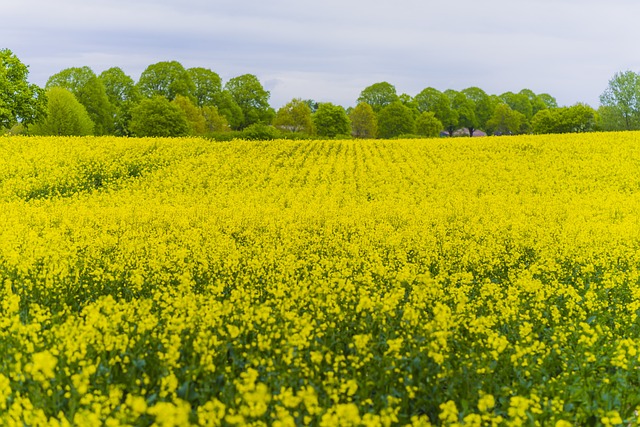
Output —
<point x="394" y="120"/>
<point x="90" y="91"/>
<point x="210" y="107"/>
<point x="247" y="91"/>
<point x="66" y="116"/>
<point x="20" y="101"/>
<point x="157" y="116"/>
<point x="378" y="95"/>
<point x="622" y="96"/>
<point x="364" y="122"/>
<point x="167" y="79"/>
<point x="331" y="120"/>
<point x="295" y="116"/>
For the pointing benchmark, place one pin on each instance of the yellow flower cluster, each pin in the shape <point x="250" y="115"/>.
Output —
<point x="460" y="282"/>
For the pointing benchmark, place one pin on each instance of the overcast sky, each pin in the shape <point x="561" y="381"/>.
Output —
<point x="329" y="50"/>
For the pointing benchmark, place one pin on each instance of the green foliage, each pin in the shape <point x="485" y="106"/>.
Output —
<point x="427" y="124"/>
<point x="294" y="117"/>
<point x="623" y="97"/>
<point x="90" y="91"/>
<point x="229" y="108"/>
<point x="331" y="120"/>
<point x="123" y="95"/>
<point x="207" y="85"/>
<point x="252" y="98"/>
<point x="505" y="121"/>
<point x="465" y="110"/>
<point x="433" y="100"/>
<point x="195" y="119"/>
<point x="168" y="79"/>
<point x="395" y="119"/>
<point x="548" y="100"/>
<point x="610" y="119"/>
<point x="519" y="102"/>
<point x="213" y="120"/>
<point x="483" y="106"/>
<point x="157" y="116"/>
<point x="20" y="102"/>
<point x="578" y="118"/>
<point x="260" y="132"/>
<point x="378" y="95"/>
<point x="364" y="122"/>
<point x="66" y="116"/>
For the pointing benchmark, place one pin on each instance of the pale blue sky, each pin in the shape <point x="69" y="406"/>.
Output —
<point x="330" y="50"/>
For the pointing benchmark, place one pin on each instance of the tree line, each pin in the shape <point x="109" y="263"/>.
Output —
<point x="170" y="100"/>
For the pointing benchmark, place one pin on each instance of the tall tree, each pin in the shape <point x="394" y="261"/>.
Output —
<point x="253" y="99"/>
<point x="66" y="116"/>
<point x="331" y="120"/>
<point x="90" y="92"/>
<point x="294" y="117"/>
<point x="123" y="94"/>
<point x="433" y="100"/>
<point x="623" y="97"/>
<point x="168" y="79"/>
<point x="364" y="122"/>
<point x="483" y="106"/>
<point x="157" y="116"/>
<point x="378" y="95"/>
<point x="394" y="120"/>
<point x="465" y="110"/>
<point x="20" y="101"/>
<point x="207" y="85"/>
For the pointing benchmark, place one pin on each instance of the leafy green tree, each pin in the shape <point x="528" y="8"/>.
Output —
<point x="537" y="103"/>
<point x="378" y="95"/>
<point x="66" y="116"/>
<point x="195" y="119"/>
<point x="123" y="94"/>
<point x="294" y="117"/>
<point x="20" y="101"/>
<point x="364" y="122"/>
<point x="428" y="125"/>
<point x="394" y="120"/>
<point x="229" y="108"/>
<point x="433" y="100"/>
<point x="157" y="116"/>
<point x="213" y="120"/>
<point x="545" y="121"/>
<point x="253" y="99"/>
<point x="168" y="79"/>
<point x="505" y="121"/>
<point x="622" y="96"/>
<point x="610" y="119"/>
<point x="90" y="92"/>
<point x="465" y="110"/>
<point x="331" y="120"/>
<point x="548" y="100"/>
<point x="577" y="118"/>
<point x="483" y="106"/>
<point x="518" y="102"/>
<point x="207" y="85"/>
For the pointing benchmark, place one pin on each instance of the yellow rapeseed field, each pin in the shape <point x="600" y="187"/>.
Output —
<point x="175" y="282"/>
